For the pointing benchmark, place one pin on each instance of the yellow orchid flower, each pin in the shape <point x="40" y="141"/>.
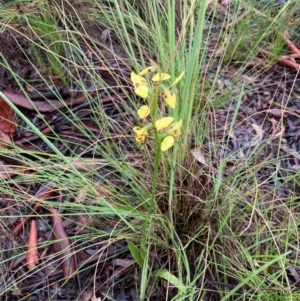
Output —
<point x="140" y="85"/>
<point x="143" y="112"/>
<point x="174" y="129"/>
<point x="140" y="138"/>
<point x="170" y="98"/>
<point x="168" y="130"/>
<point x="160" y="77"/>
<point x="163" y="122"/>
<point x="139" y="130"/>
<point x="141" y="134"/>
<point x="167" y="143"/>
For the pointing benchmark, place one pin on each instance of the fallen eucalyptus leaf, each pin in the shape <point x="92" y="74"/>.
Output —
<point x="259" y="134"/>
<point x="198" y="155"/>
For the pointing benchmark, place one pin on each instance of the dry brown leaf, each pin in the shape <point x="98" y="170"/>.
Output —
<point x="290" y="151"/>
<point x="7" y="124"/>
<point x="62" y="244"/>
<point x="123" y="262"/>
<point x="295" y="272"/>
<point x="82" y="164"/>
<point x="277" y="112"/>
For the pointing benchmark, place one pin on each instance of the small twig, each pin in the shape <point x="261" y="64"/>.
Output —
<point x="289" y="43"/>
<point x="286" y="60"/>
<point x="282" y="60"/>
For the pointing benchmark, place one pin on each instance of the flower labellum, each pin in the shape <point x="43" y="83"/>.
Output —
<point x="141" y="134"/>
<point x="170" y="98"/>
<point x="174" y="129"/>
<point x="140" y="85"/>
<point x="141" y="138"/>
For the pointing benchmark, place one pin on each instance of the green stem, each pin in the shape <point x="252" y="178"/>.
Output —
<point x="156" y="166"/>
<point x="158" y="142"/>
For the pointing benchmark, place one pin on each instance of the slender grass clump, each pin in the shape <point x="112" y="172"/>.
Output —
<point x="164" y="128"/>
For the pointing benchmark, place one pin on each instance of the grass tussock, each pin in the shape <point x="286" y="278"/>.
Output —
<point x="213" y="218"/>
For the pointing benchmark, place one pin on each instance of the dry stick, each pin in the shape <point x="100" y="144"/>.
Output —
<point x="289" y="43"/>
<point x="281" y="60"/>
<point x="32" y="257"/>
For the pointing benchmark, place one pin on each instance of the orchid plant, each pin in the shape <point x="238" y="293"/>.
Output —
<point x="165" y="127"/>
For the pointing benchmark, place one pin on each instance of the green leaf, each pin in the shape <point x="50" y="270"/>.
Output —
<point x="165" y="274"/>
<point x="136" y="253"/>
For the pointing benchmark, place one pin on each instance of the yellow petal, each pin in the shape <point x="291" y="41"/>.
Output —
<point x="143" y="112"/>
<point x="175" y="127"/>
<point x="160" y="77"/>
<point x="178" y="78"/>
<point x="141" y="90"/>
<point x="148" y="70"/>
<point x="140" y="85"/>
<point x="170" y="98"/>
<point x="137" y="79"/>
<point x="163" y="122"/>
<point x="167" y="143"/>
